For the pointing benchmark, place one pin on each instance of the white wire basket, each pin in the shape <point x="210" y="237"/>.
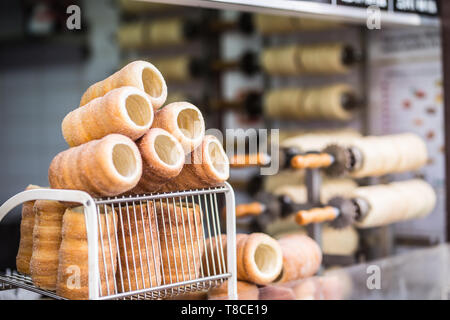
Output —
<point x="175" y="252"/>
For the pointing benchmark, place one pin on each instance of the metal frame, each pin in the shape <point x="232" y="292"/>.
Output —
<point x="92" y="224"/>
<point x="309" y="10"/>
<point x="445" y="40"/>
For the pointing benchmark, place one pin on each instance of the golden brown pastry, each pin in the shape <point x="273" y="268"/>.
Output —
<point x="125" y="110"/>
<point x="308" y="103"/>
<point x="394" y="202"/>
<point x="207" y="166"/>
<point x="175" y="68"/>
<point x="140" y="74"/>
<point x="106" y="167"/>
<point x="184" y="121"/>
<point x="46" y="243"/>
<point x="259" y="258"/>
<point x="245" y="291"/>
<point x="73" y="269"/>
<point x="301" y="257"/>
<point x="390" y="154"/>
<point x="162" y="160"/>
<point x="131" y="35"/>
<point x="26" y="235"/>
<point x="181" y="237"/>
<point x="273" y="24"/>
<point x="139" y="255"/>
<point x="164" y="32"/>
<point x="304" y="59"/>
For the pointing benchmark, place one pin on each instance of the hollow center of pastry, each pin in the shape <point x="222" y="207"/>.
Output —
<point x="218" y="157"/>
<point x="265" y="258"/>
<point x="152" y="82"/>
<point x="167" y="150"/>
<point x="124" y="160"/>
<point x="138" y="109"/>
<point x="189" y="123"/>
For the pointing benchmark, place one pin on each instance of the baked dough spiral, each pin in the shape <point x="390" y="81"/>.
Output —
<point x="175" y="68"/>
<point x="140" y="74"/>
<point x="398" y="201"/>
<point x="73" y="268"/>
<point x="46" y="243"/>
<point x="26" y="235"/>
<point x="301" y="257"/>
<point x="181" y="237"/>
<point x="259" y="257"/>
<point x="125" y="110"/>
<point x="106" y="167"/>
<point x="268" y="24"/>
<point x="207" y="166"/>
<point x="184" y="121"/>
<point x="139" y="256"/>
<point x="162" y="160"/>
<point x="390" y="154"/>
<point x="304" y="59"/>
<point x="308" y="103"/>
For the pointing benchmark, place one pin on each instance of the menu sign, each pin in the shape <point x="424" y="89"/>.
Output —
<point x="425" y="7"/>
<point x="382" y="4"/>
<point x="422" y="7"/>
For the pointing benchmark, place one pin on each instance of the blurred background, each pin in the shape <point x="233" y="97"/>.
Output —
<point x="388" y="81"/>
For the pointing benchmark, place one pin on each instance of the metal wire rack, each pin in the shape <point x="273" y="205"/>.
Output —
<point x="153" y="246"/>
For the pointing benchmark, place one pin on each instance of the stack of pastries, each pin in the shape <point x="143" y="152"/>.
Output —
<point x="122" y="142"/>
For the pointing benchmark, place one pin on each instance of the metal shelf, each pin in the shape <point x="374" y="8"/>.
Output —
<point x="310" y="10"/>
<point x="177" y="257"/>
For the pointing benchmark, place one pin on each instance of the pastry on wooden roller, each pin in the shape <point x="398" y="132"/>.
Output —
<point x="125" y="110"/>
<point x="329" y="102"/>
<point x="323" y="58"/>
<point x="280" y="60"/>
<point x="139" y="256"/>
<point x="73" y="269"/>
<point x="46" y="243"/>
<point x="165" y="32"/>
<point x="175" y="68"/>
<point x="184" y="121"/>
<point x="332" y="58"/>
<point x="181" y="237"/>
<point x="106" y="167"/>
<point x="26" y="235"/>
<point x="301" y="257"/>
<point x="140" y="74"/>
<point x="395" y="202"/>
<point x="273" y="24"/>
<point x="245" y="291"/>
<point x="207" y="166"/>
<point x="131" y="35"/>
<point x="390" y="154"/>
<point x="162" y="160"/>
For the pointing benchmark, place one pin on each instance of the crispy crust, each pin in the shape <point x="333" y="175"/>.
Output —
<point x="130" y="75"/>
<point x="106" y="115"/>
